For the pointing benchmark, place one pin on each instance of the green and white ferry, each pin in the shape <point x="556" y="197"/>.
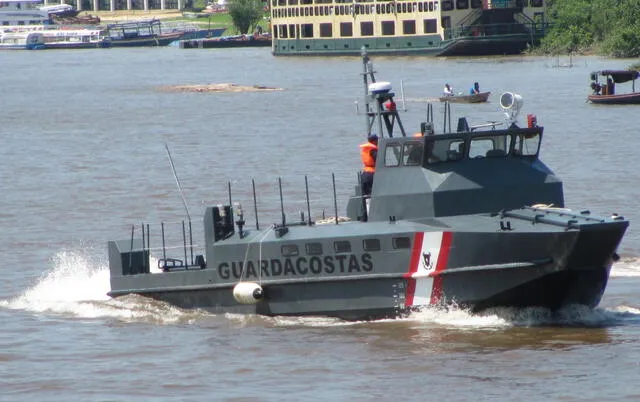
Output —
<point x="395" y="27"/>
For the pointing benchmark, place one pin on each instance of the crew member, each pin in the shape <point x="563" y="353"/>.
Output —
<point x="368" y="154"/>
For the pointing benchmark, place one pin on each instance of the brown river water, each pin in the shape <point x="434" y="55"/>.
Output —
<point x="83" y="157"/>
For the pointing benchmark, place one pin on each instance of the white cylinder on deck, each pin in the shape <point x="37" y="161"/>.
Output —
<point x="247" y="292"/>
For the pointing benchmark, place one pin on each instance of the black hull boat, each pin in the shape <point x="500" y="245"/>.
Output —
<point x="470" y="218"/>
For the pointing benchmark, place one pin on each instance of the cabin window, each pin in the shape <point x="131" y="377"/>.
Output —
<point x="289" y="250"/>
<point x="456" y="150"/>
<point x="431" y="6"/>
<point x="371" y="244"/>
<point x="342" y="247"/>
<point x="283" y="31"/>
<point x="409" y="27"/>
<point x="412" y="154"/>
<point x="446" y="22"/>
<point x="401" y="242"/>
<point x="431" y="25"/>
<point x="519" y="3"/>
<point x="447" y="5"/>
<point x="388" y="28"/>
<point x="435" y="151"/>
<point x="346" y="29"/>
<point x="420" y="7"/>
<point x="313" y="248"/>
<point x="537" y="3"/>
<point x="325" y="31"/>
<point x="476" y="3"/>
<point x="315" y="10"/>
<point x="462" y="4"/>
<point x="392" y="154"/>
<point x="526" y="144"/>
<point x="479" y="147"/>
<point x="366" y="28"/>
<point x="306" y="11"/>
<point x="403" y="7"/>
<point x="292" y="31"/>
<point x="293" y="2"/>
<point x="306" y="31"/>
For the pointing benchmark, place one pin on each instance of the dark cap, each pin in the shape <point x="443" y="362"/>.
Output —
<point x="372" y="137"/>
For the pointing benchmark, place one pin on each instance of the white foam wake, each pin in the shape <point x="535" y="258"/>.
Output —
<point x="77" y="285"/>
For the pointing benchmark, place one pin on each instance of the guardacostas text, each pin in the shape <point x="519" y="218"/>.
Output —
<point x="330" y="264"/>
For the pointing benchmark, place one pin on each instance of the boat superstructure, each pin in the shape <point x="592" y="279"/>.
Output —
<point x="440" y="28"/>
<point x="22" y="12"/>
<point x="470" y="217"/>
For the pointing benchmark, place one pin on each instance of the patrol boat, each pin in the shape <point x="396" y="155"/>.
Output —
<point x="470" y="217"/>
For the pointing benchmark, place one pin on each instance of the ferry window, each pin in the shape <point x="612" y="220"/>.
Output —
<point x="297" y="12"/>
<point x="401" y="242"/>
<point x="431" y="6"/>
<point x="371" y="244"/>
<point x="403" y="7"/>
<point x="462" y="4"/>
<point x="476" y="3"/>
<point x="389" y="9"/>
<point x="342" y="247"/>
<point x="412" y="154"/>
<point x="346" y="29"/>
<point x="409" y="27"/>
<point x="431" y="26"/>
<point x="388" y="28"/>
<point x="306" y="31"/>
<point x="392" y="155"/>
<point x="421" y="7"/>
<point x="446" y="22"/>
<point x="377" y="8"/>
<point x="289" y="250"/>
<point x="447" y="5"/>
<point x="325" y="30"/>
<point x="306" y="11"/>
<point x="536" y="3"/>
<point x="313" y="248"/>
<point x="519" y="3"/>
<point x="292" y="31"/>
<point x="283" y="31"/>
<point x="366" y="28"/>
<point x="293" y="2"/>
<point x="526" y="144"/>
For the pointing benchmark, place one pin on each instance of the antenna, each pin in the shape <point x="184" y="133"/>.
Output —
<point x="173" y="169"/>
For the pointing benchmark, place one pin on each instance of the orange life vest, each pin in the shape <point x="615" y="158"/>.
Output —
<point x="367" y="160"/>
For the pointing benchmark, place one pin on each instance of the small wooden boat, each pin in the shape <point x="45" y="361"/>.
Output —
<point x="471" y="98"/>
<point x="605" y="93"/>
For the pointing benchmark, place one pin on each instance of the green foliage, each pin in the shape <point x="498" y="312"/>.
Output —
<point x="245" y="14"/>
<point x="611" y="27"/>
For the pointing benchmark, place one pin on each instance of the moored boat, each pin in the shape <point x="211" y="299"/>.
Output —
<point x="255" y="40"/>
<point x="75" y="39"/>
<point x="22" y="12"/>
<point x="141" y="33"/>
<point x="472" y="218"/>
<point x="606" y="93"/>
<point x="405" y="27"/>
<point x="21" y="41"/>
<point x="470" y="98"/>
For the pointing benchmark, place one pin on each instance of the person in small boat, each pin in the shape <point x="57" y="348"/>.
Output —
<point x="475" y="89"/>
<point x="447" y="91"/>
<point x="368" y="154"/>
<point x="596" y="88"/>
<point x="611" y="87"/>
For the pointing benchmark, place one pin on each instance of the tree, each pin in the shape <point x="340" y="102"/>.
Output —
<point x="245" y="14"/>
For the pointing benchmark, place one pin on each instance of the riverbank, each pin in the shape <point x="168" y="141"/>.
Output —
<point x="132" y="15"/>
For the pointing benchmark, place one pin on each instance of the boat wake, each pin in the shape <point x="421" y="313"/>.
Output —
<point x="77" y="285"/>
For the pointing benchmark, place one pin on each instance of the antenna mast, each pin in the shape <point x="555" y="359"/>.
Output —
<point x="173" y="169"/>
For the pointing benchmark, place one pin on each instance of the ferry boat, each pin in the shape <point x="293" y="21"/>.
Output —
<point x="470" y="218"/>
<point x="75" y="39"/>
<point x="406" y="27"/>
<point x="21" y="41"/>
<point x="22" y="12"/>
